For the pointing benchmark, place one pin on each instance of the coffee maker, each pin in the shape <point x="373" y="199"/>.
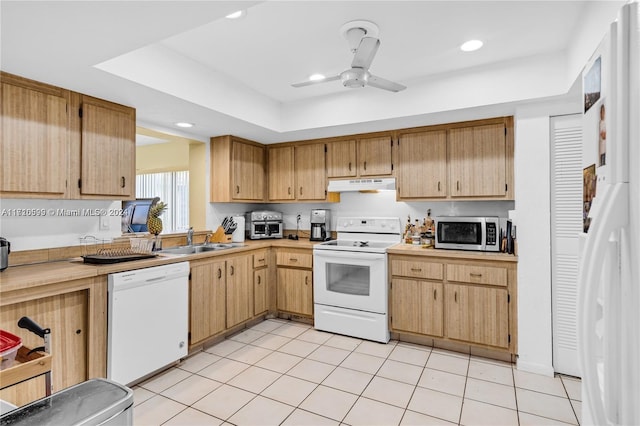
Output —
<point x="320" y="225"/>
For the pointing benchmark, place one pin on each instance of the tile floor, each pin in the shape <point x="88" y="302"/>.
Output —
<point x="281" y="372"/>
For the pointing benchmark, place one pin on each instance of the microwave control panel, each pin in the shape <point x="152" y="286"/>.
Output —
<point x="492" y="234"/>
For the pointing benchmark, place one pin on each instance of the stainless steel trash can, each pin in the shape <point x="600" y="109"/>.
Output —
<point x="94" y="402"/>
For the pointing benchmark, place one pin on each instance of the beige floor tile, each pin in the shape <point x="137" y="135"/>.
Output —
<point x="479" y="413"/>
<point x="156" y="411"/>
<point x="539" y="383"/>
<point x="489" y="361"/>
<point x="577" y="409"/>
<point x="299" y="348"/>
<point x="527" y="419"/>
<point x="362" y="362"/>
<point x="348" y="380"/>
<point x="436" y="404"/>
<point x="343" y="342"/>
<point x="367" y="412"/>
<point x="223" y="370"/>
<point x="451" y="364"/>
<point x="249" y="354"/>
<point x="271" y="341"/>
<point x="329" y="355"/>
<point x="573" y="387"/>
<point x="165" y="380"/>
<point x="247" y="336"/>
<point x="381" y="350"/>
<point x="443" y="381"/>
<point x="289" y="330"/>
<point x="315" y="336"/>
<point x="267" y="326"/>
<point x="491" y="372"/>
<point x="224" y="401"/>
<point x="389" y="392"/>
<point x="415" y="346"/>
<point x="545" y="405"/>
<point x="279" y="362"/>
<point x="409" y="355"/>
<point x="411" y="418"/>
<point x="254" y="379"/>
<point x="400" y="371"/>
<point x="140" y="395"/>
<point x="311" y="370"/>
<point x="447" y="352"/>
<point x="225" y="347"/>
<point x="197" y="362"/>
<point x="490" y="393"/>
<point x="305" y="418"/>
<point x="262" y="411"/>
<point x="289" y="390"/>
<point x="329" y="402"/>
<point x="191" y="389"/>
<point x="191" y="417"/>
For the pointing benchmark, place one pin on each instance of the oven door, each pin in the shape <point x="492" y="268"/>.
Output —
<point x="353" y="280"/>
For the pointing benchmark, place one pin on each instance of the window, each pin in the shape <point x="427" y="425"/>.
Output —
<point x="173" y="189"/>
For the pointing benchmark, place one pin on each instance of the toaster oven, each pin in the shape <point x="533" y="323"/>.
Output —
<point x="264" y="224"/>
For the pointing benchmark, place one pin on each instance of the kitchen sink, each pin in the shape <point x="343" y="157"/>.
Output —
<point x="199" y="248"/>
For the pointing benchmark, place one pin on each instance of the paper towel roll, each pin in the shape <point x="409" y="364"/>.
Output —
<point x="238" y="234"/>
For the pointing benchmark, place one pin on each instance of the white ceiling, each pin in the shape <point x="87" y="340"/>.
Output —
<point x="183" y="61"/>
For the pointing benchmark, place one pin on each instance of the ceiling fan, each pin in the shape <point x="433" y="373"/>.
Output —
<point x="364" y="48"/>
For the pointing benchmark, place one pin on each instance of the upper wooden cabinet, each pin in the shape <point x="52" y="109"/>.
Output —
<point x="297" y="172"/>
<point x="237" y="170"/>
<point x="107" y="149"/>
<point x="360" y="157"/>
<point x="422" y="165"/>
<point x="61" y="144"/>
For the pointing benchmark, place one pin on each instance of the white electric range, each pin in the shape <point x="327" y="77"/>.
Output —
<point x="351" y="289"/>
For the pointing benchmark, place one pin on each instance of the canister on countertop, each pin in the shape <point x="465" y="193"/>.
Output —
<point x="238" y="234"/>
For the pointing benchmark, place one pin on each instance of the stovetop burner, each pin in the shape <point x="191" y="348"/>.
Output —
<point x="361" y="243"/>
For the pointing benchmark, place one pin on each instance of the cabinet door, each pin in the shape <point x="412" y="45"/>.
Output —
<point x="281" y="175"/>
<point x="247" y="161"/>
<point x="34" y="140"/>
<point x="422" y="165"/>
<point x="108" y="149"/>
<point x="295" y="291"/>
<point x="478" y="161"/>
<point x="374" y="156"/>
<point x="259" y="291"/>
<point x="207" y="296"/>
<point x="341" y="159"/>
<point x="477" y="314"/>
<point x="311" y="181"/>
<point x="417" y="306"/>
<point x="239" y="290"/>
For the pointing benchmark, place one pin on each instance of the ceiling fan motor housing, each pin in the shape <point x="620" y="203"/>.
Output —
<point x="354" y="78"/>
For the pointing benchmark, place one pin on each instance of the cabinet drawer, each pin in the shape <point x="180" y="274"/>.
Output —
<point x="491" y="275"/>
<point x="260" y="259"/>
<point x="293" y="258"/>
<point x="417" y="269"/>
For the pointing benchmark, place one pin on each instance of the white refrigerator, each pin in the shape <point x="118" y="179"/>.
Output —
<point x="608" y="278"/>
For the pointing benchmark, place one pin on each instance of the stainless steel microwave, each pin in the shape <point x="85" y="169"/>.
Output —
<point x="468" y="233"/>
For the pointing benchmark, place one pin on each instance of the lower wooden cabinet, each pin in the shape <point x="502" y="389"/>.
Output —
<point x="417" y="306"/>
<point x="239" y="290"/>
<point x="207" y="310"/>
<point x="294" y="281"/>
<point x="260" y="282"/>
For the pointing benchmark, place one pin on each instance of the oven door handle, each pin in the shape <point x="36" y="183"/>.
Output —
<point x="341" y="255"/>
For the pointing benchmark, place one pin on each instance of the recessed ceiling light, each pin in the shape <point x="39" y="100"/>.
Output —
<point x="316" y="77"/>
<point x="471" y="45"/>
<point x="183" y="124"/>
<point x="235" y="15"/>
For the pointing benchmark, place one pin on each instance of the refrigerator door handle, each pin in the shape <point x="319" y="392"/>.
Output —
<point x="612" y="215"/>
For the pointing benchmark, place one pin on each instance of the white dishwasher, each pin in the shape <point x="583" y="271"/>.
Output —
<point x="148" y="320"/>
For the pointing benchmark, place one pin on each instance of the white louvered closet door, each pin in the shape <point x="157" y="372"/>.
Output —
<point x="566" y="224"/>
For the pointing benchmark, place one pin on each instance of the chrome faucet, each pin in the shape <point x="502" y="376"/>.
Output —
<point x="207" y="237"/>
<point x="190" y="236"/>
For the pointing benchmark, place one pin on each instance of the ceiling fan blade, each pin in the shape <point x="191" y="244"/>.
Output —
<point x="310" y="83"/>
<point x="365" y="53"/>
<point x="382" y="83"/>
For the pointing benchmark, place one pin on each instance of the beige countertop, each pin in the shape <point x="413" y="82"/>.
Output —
<point x="417" y="250"/>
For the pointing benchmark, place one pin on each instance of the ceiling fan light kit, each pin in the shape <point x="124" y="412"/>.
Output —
<point x="362" y="37"/>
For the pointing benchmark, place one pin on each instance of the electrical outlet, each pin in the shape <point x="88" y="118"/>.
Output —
<point x="104" y="222"/>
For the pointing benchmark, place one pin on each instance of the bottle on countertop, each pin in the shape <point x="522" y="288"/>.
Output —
<point x="429" y="223"/>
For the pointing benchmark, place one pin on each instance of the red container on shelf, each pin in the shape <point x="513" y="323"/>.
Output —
<point x="9" y="345"/>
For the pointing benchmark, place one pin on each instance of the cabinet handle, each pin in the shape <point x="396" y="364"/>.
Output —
<point x="232" y="270"/>
<point x="455" y="296"/>
<point x="349" y="165"/>
<point x="122" y="182"/>
<point x="259" y="279"/>
<point x="306" y="280"/>
<point x="438" y="186"/>
<point x="365" y="165"/>
<point x="219" y="273"/>
<point x="300" y="190"/>
<point x="416" y="269"/>
<point x="293" y="259"/>
<point x="237" y="189"/>
<point x="434" y="294"/>
<point x="261" y="260"/>
<point x="289" y="190"/>
<point x="457" y="185"/>
<point x="474" y="274"/>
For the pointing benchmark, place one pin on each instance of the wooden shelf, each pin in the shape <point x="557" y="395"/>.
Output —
<point x="25" y="367"/>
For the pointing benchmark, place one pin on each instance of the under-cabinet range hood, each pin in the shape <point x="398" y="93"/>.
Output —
<point x="350" y="185"/>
